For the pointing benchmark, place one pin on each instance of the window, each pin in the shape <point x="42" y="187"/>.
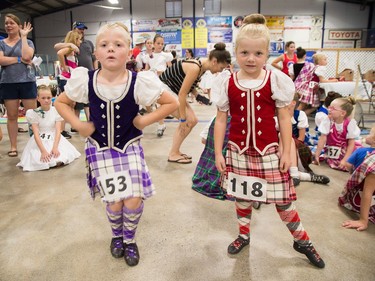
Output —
<point x="173" y="8"/>
<point x="212" y="7"/>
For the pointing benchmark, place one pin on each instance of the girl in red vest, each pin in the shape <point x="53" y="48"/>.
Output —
<point x="253" y="169"/>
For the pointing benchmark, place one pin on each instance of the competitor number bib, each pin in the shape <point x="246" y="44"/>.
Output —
<point x="248" y="188"/>
<point x="116" y="186"/>
<point x="333" y="152"/>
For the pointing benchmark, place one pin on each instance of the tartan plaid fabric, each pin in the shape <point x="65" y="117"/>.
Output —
<point x="280" y="188"/>
<point x="206" y="178"/>
<point x="351" y="195"/>
<point x="302" y="83"/>
<point x="110" y="161"/>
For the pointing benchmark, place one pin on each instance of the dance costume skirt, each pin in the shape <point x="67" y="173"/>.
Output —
<point x="280" y="188"/>
<point x="99" y="163"/>
<point x="206" y="178"/>
<point x="351" y="195"/>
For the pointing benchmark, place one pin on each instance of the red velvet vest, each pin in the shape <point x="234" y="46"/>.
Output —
<point x="252" y="111"/>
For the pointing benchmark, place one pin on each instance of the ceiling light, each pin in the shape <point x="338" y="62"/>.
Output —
<point x="113" y="2"/>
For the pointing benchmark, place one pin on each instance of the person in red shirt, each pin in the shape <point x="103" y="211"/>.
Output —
<point x="288" y="58"/>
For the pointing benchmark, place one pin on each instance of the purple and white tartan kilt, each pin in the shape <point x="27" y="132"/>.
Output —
<point x="280" y="188"/>
<point x="109" y="161"/>
<point x="351" y="195"/>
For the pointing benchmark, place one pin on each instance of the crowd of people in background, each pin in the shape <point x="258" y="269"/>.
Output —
<point x="156" y="83"/>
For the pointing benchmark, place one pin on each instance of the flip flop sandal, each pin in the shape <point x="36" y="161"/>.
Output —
<point x="182" y="160"/>
<point x="186" y="156"/>
<point x="13" y="153"/>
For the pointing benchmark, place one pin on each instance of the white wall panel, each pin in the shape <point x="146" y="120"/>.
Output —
<point x="343" y="16"/>
<point x="239" y="7"/>
<point x="292" y="7"/>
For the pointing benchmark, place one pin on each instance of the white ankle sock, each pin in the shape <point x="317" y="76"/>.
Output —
<point x="304" y="176"/>
<point x="294" y="172"/>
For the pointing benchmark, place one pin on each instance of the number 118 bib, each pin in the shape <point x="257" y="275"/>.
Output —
<point x="246" y="187"/>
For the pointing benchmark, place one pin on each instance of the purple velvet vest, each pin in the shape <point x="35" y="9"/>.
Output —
<point x="113" y="119"/>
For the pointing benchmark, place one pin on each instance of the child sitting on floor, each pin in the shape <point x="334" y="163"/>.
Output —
<point x="338" y="132"/>
<point x="46" y="148"/>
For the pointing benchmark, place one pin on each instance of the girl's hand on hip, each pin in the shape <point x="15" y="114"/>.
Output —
<point x="86" y="129"/>
<point x="138" y="122"/>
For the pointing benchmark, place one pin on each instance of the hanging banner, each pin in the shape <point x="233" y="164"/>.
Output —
<point x="169" y="24"/>
<point x="219" y="22"/>
<point x="201" y="37"/>
<point x="187" y="33"/>
<point x="275" y="22"/>
<point x="297" y="22"/>
<point x="144" y="25"/>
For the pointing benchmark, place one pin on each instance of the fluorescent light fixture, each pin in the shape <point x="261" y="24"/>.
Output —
<point x="113" y="2"/>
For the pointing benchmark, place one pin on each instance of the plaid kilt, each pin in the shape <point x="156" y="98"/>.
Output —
<point x="351" y="195"/>
<point x="206" y="178"/>
<point x="309" y="96"/>
<point x="108" y="161"/>
<point x="280" y="188"/>
<point x="335" y="163"/>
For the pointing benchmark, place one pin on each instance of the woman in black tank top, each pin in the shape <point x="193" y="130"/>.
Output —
<point x="182" y="77"/>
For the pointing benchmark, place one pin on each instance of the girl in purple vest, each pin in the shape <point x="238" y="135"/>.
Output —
<point x="114" y="155"/>
<point x="253" y="168"/>
<point x="338" y="134"/>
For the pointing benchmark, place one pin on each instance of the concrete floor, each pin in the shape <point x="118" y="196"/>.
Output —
<point x="50" y="229"/>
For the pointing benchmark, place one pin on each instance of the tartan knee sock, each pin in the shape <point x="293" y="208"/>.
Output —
<point x="290" y="217"/>
<point x="115" y="220"/>
<point x="244" y="210"/>
<point x="131" y="219"/>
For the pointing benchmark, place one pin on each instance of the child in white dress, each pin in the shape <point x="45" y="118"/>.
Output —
<point x="46" y="148"/>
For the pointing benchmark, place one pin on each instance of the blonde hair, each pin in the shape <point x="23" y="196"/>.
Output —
<point x="43" y="87"/>
<point x="118" y="25"/>
<point x="318" y="57"/>
<point x="72" y="37"/>
<point x="347" y="104"/>
<point x="253" y="26"/>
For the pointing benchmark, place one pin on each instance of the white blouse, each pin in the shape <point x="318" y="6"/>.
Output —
<point x="159" y="61"/>
<point x="353" y="129"/>
<point x="148" y="87"/>
<point x="282" y="88"/>
<point x="321" y="70"/>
